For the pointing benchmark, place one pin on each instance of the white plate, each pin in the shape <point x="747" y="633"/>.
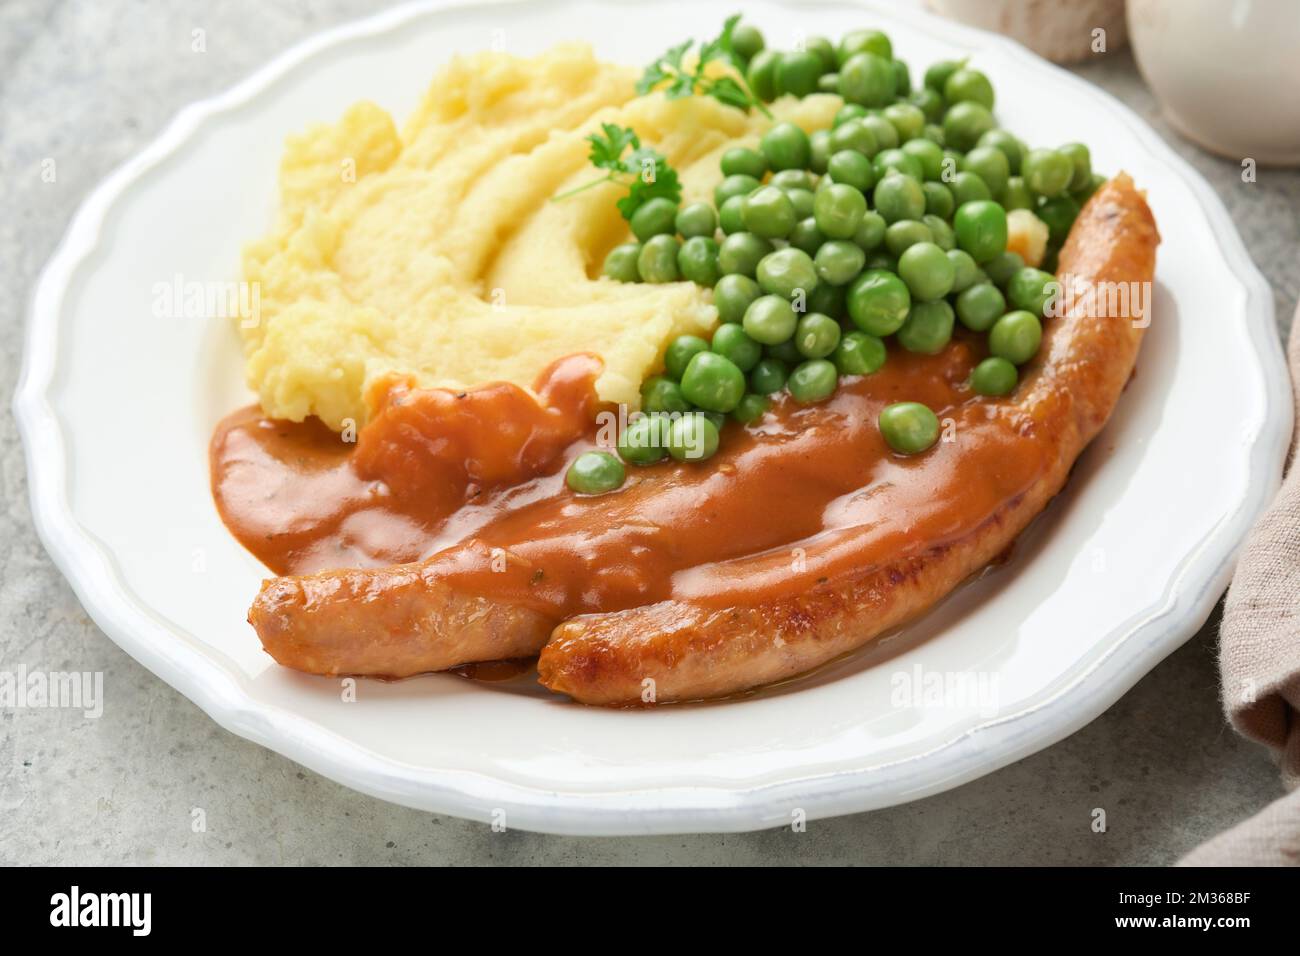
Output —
<point x="116" y="407"/>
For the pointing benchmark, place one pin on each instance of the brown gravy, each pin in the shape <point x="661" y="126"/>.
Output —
<point x="476" y="479"/>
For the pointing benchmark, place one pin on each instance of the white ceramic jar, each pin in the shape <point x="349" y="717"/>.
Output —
<point x="1227" y="72"/>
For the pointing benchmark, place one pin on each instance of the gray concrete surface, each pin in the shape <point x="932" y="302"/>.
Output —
<point x="89" y="83"/>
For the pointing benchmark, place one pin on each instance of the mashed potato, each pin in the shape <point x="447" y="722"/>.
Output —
<point x="438" y="254"/>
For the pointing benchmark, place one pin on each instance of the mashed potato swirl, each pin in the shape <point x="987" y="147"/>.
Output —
<point x="436" y="254"/>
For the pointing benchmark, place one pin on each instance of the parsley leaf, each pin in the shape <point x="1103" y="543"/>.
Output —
<point x="607" y="150"/>
<point x="669" y="74"/>
<point x="654" y="179"/>
<point x="644" y="171"/>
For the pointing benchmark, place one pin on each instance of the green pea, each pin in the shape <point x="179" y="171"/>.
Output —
<point x="878" y="302"/>
<point x="697" y="219"/>
<point x="1048" y="172"/>
<point x="967" y="187"/>
<point x="824" y="50"/>
<point x="806" y="236"/>
<point x="864" y="41"/>
<point x="907" y="119"/>
<point x="662" y="394"/>
<point x="817" y="335"/>
<point x="790" y="179"/>
<point x="902" y="78"/>
<point x="812" y="381"/>
<point x="681" y="350"/>
<point x="643" y="440"/>
<point x="936" y="77"/>
<point x="847" y="112"/>
<point x="741" y="252"/>
<point x="819" y="150"/>
<point x="594" y="473"/>
<point x="732" y="296"/>
<point x="883" y="131"/>
<point x="743" y="161"/>
<point x="979" y="306"/>
<point x="942" y="233"/>
<point x="729" y="216"/>
<point x="902" y="235"/>
<point x="967" y="85"/>
<point x="797" y="72"/>
<point x="803" y="201"/>
<point x="928" y="102"/>
<point x="654" y="218"/>
<point x="859" y="354"/>
<point x="713" y="382"/>
<point x="1016" y="195"/>
<point x="928" y="328"/>
<point x="867" y="79"/>
<point x="908" y="427"/>
<point x="732" y="342"/>
<point x="852" y="168"/>
<point x="736" y="184"/>
<point x="718" y="418"/>
<point x="784" y="352"/>
<point x="1082" y="162"/>
<point x="768" y="212"/>
<point x="828" y="83"/>
<point x="1016" y="337"/>
<point x="657" y="261"/>
<point x="981" y="228"/>
<point x="1001" y="268"/>
<point x="768" y="376"/>
<point x="964" y="124"/>
<point x="882" y="259"/>
<point x="770" y="320"/>
<point x="928" y="155"/>
<point x="927" y="271"/>
<point x="898" y="160"/>
<point x="786" y="146"/>
<point x="899" y="197"/>
<point x="839" y="261"/>
<point x="1059" y="214"/>
<point x="1032" y="290"/>
<point x="620" y="263"/>
<point x="761" y="74"/>
<point x="938" y="200"/>
<point x="870" y="232"/>
<point x="965" y="273"/>
<point x="827" y="299"/>
<point x="994" y="376"/>
<point x="838" y="210"/>
<point x="697" y="260"/>
<point x="855" y="135"/>
<point x="990" y="164"/>
<point x="746" y="40"/>
<point x="751" y="408"/>
<point x="692" y="438"/>
<point x="787" y="272"/>
<point x="1009" y="144"/>
<point x="934" y="133"/>
<point x="1095" y="183"/>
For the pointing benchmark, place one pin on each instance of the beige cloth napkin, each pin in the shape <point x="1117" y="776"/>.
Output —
<point x="1259" y="661"/>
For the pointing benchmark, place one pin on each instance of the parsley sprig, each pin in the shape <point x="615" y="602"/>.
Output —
<point x="670" y="74"/>
<point x="645" y="172"/>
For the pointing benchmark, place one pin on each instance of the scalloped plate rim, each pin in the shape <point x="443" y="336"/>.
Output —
<point x="1190" y="597"/>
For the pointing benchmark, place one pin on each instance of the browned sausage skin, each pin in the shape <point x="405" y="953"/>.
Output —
<point x="681" y="650"/>
<point x="387" y="622"/>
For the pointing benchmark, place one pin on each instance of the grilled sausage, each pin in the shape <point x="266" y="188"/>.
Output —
<point x="681" y="650"/>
